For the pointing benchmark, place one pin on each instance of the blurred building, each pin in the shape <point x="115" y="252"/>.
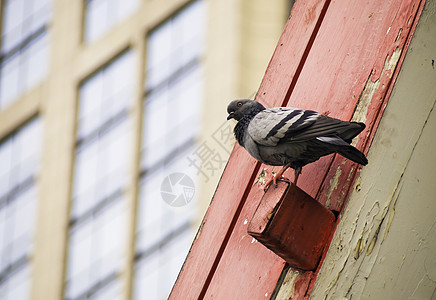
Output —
<point x="113" y="136"/>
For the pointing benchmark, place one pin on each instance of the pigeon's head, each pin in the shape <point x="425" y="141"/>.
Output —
<point x="239" y="108"/>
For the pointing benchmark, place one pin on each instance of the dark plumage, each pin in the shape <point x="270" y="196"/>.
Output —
<point x="291" y="137"/>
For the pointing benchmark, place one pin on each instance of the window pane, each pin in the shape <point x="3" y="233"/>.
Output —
<point x="22" y="18"/>
<point x="164" y="232"/>
<point x="12" y="23"/>
<point x="79" y="259"/>
<point x="174" y="84"/>
<point x="97" y="249"/>
<point x="112" y="291"/>
<point x="102" y="159"/>
<point x="155" y="275"/>
<point x="155" y="124"/>
<point x="36" y="57"/>
<point x="101" y="168"/>
<point x="156" y="218"/>
<point x="98" y="232"/>
<point x="91" y="99"/>
<point x="21" y="223"/>
<point x="19" y="158"/>
<point x="106" y="94"/>
<point x="6" y="163"/>
<point x="17" y="285"/>
<point x="159" y="61"/>
<point x="9" y="80"/>
<point x="102" y="15"/>
<point x="175" y="44"/>
<point x="96" y="19"/>
<point x="28" y="156"/>
<point x="24" y="47"/>
<point x="41" y="12"/>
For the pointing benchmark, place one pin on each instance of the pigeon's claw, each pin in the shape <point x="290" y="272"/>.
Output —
<point x="297" y="174"/>
<point x="278" y="176"/>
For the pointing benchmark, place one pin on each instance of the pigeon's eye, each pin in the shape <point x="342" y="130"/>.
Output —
<point x="239" y="104"/>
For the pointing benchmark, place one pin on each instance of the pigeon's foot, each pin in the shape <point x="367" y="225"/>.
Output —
<point x="274" y="180"/>
<point x="297" y="174"/>
<point x="278" y="176"/>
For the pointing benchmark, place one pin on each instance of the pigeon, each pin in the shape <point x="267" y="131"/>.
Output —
<point x="291" y="137"/>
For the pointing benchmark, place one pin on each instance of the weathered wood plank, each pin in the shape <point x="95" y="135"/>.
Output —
<point x="362" y="58"/>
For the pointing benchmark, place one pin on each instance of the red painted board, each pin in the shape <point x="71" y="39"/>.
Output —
<point x="291" y="52"/>
<point x="351" y="48"/>
<point x="206" y="251"/>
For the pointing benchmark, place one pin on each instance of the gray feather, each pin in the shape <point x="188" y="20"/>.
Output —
<point x="270" y="126"/>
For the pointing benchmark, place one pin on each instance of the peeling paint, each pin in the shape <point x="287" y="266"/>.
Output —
<point x="372" y="86"/>
<point x="333" y="185"/>
<point x="389" y="29"/>
<point x="357" y="186"/>
<point x="372" y="243"/>
<point x="399" y="34"/>
<point x="391" y="213"/>
<point x="358" y="249"/>
<point x="200" y="228"/>
<point x="262" y="177"/>
<point x="287" y="286"/>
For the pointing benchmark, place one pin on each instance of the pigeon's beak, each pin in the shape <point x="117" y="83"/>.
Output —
<point x="230" y="116"/>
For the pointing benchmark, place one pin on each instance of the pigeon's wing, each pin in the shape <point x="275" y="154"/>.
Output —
<point x="279" y="124"/>
<point x="325" y="128"/>
<point x="286" y="125"/>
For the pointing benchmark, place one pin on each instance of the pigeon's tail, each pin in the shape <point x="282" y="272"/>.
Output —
<point x="353" y="154"/>
<point x="345" y="149"/>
